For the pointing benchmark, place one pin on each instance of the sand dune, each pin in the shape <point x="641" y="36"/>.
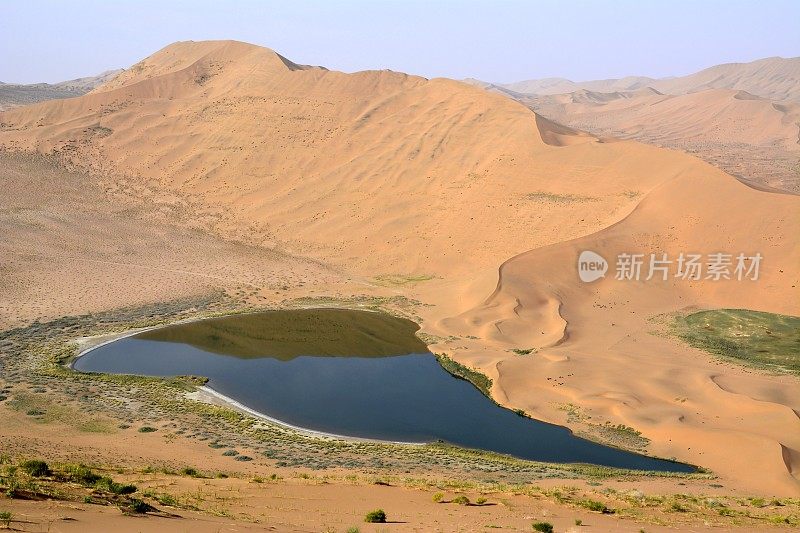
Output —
<point x="15" y="95"/>
<point x="774" y="78"/>
<point x="605" y="321"/>
<point x="336" y="166"/>
<point x="741" y="117"/>
<point x="750" y="137"/>
<point x="382" y="173"/>
<point x="720" y="115"/>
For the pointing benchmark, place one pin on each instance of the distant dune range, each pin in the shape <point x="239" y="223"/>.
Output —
<point x="742" y="117"/>
<point x="773" y="78"/>
<point x="378" y="174"/>
<point x="15" y="94"/>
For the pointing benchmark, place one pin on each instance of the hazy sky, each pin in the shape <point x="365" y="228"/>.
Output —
<point x="500" y="40"/>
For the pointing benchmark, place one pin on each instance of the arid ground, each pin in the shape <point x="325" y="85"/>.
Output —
<point x="219" y="177"/>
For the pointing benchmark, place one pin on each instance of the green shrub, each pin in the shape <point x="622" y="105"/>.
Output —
<point x="678" y="507"/>
<point x="578" y="522"/>
<point x="544" y="527"/>
<point x="758" y="502"/>
<point x="147" y="429"/>
<point x="138" y="506"/>
<point x="481" y="381"/>
<point x="438" y="497"/>
<point x="376" y="517"/>
<point x="109" y="485"/>
<point x="480" y="501"/>
<point x="461" y="500"/>
<point x="5" y="518"/>
<point x="36" y="468"/>
<point x="190" y="471"/>
<point x="593" y="505"/>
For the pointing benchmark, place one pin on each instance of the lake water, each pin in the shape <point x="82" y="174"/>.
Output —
<point x="349" y="373"/>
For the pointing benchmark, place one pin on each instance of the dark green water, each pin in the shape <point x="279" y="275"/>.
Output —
<point x="350" y="373"/>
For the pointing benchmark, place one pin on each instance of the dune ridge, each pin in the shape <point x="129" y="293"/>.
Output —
<point x="775" y="78"/>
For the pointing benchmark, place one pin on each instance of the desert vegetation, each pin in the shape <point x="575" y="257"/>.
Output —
<point x="763" y="340"/>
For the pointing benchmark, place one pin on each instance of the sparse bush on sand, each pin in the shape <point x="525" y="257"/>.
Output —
<point x="378" y="516"/>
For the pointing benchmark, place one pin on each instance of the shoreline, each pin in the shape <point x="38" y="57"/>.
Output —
<point x="210" y="396"/>
<point x="207" y="394"/>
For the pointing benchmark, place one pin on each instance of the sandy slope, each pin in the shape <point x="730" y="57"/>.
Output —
<point x="752" y="138"/>
<point x="740" y="117"/>
<point x="382" y="173"/>
<point x="594" y="337"/>
<point x="68" y="248"/>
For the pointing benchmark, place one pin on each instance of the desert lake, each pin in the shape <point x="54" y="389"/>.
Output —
<point x="349" y="373"/>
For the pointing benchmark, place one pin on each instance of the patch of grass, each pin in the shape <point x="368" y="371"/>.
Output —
<point x="481" y="381"/>
<point x="378" y="516"/>
<point x="84" y="475"/>
<point x="95" y="425"/>
<point x="553" y="198"/>
<point x="81" y="474"/>
<point x="44" y="411"/>
<point x="192" y="472"/>
<point x="147" y="429"/>
<point x="677" y="507"/>
<point x="438" y="497"/>
<point x="763" y="340"/>
<point x="399" y="280"/>
<point x="544" y="527"/>
<point x="594" y="505"/>
<point x="36" y="468"/>
<point x="162" y="498"/>
<point x="758" y="502"/>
